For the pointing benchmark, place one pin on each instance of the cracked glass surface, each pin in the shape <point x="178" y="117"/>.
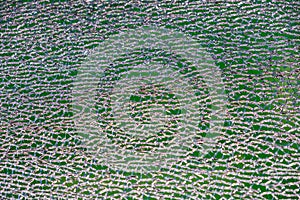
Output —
<point x="46" y="154"/>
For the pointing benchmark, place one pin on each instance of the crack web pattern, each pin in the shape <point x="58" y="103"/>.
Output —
<point x="254" y="45"/>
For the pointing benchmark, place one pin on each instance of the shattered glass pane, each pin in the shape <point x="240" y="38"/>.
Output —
<point x="149" y="100"/>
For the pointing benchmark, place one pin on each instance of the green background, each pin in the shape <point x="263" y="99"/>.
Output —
<point x="256" y="45"/>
